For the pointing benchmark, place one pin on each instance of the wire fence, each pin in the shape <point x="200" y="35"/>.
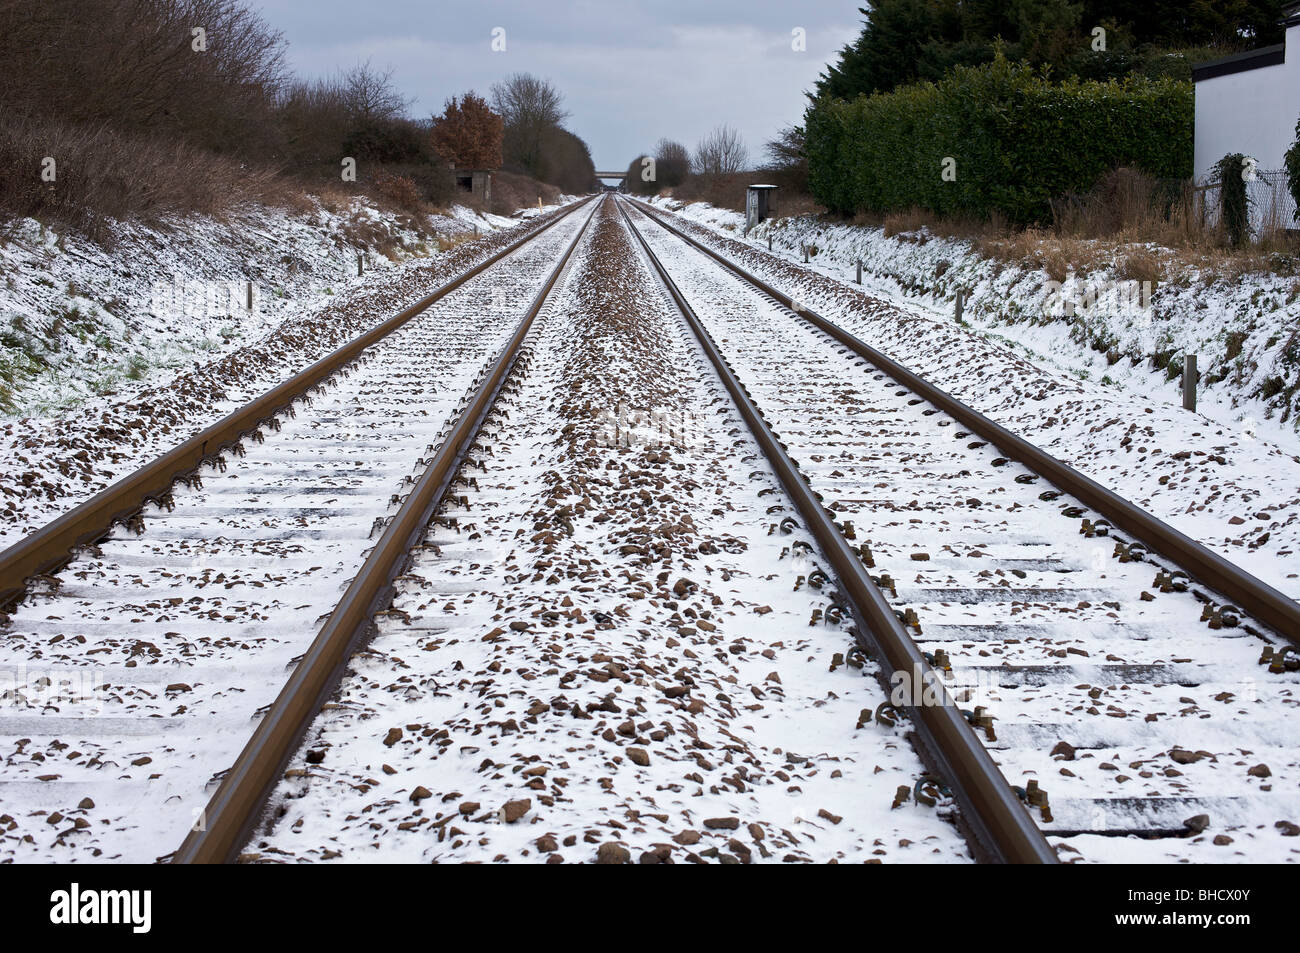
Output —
<point x="1271" y="204"/>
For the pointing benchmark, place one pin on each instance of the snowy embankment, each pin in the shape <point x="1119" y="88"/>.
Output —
<point x="124" y="351"/>
<point x="1100" y="326"/>
<point x="1225" y="478"/>
<point x="79" y="320"/>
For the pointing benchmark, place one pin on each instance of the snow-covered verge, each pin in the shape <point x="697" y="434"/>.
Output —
<point x="1233" y="487"/>
<point x="1098" y="325"/>
<point x="191" y="370"/>
<point x="80" y="320"/>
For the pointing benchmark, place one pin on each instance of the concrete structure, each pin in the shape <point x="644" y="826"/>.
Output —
<point x="1250" y="102"/>
<point x="759" y="204"/>
<point x="478" y="182"/>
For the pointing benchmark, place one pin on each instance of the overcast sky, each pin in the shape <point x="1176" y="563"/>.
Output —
<point x="630" y="72"/>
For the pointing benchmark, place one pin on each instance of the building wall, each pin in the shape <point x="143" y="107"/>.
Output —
<point x="1252" y="112"/>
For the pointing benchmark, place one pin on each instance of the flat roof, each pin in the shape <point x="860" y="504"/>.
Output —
<point x="1240" y="62"/>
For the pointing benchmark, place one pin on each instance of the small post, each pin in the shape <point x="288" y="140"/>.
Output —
<point x="1189" y="382"/>
<point x="859" y="271"/>
<point x="769" y="241"/>
<point x="805" y="254"/>
<point x="961" y="303"/>
<point x="361" y="265"/>
<point x="250" y="295"/>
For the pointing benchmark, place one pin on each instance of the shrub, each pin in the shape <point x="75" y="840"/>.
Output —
<point x="1234" y="200"/>
<point x="634" y="179"/>
<point x="1017" y="139"/>
<point x="1293" y="169"/>
<point x="672" y="163"/>
<point x="399" y="190"/>
<point x="468" y="133"/>
<point x="103" y="175"/>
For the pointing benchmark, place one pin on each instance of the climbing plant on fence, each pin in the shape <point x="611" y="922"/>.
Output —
<point x="1293" y="170"/>
<point x="1007" y="138"/>
<point x="1235" y="203"/>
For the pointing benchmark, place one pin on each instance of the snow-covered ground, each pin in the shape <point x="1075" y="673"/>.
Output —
<point x="1245" y="330"/>
<point x="80" y="320"/>
<point x="1063" y="644"/>
<point x="602" y="653"/>
<point x="169" y="365"/>
<point x="1232" y="484"/>
<point x="132" y="680"/>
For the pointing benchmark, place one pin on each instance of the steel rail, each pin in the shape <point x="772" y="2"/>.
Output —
<point x="1246" y="591"/>
<point x="50" y="547"/>
<point x="238" y="802"/>
<point x="999" y="827"/>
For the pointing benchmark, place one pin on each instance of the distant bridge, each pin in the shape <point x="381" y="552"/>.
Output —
<point x="611" y="175"/>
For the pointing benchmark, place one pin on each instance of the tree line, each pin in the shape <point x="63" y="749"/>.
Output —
<point x="905" y="41"/>
<point x="196" y="83"/>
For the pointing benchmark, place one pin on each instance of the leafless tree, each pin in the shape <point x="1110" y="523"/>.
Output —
<point x="369" y="94"/>
<point x="785" y="154"/>
<point x="138" y="66"/>
<point x="672" y="162"/>
<point x="531" y="109"/>
<point x="721" y="152"/>
<point x="315" y="121"/>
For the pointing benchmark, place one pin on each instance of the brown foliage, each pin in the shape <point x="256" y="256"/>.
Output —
<point x="511" y="192"/>
<point x="468" y="133"/>
<point x="724" y="191"/>
<point x="132" y="65"/>
<point x="100" y="175"/>
<point x="399" y="190"/>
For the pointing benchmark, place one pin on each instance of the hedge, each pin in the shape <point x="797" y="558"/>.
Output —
<point x="1018" y="139"/>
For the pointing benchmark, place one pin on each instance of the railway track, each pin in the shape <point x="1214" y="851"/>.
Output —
<point x="598" y="651"/>
<point x="1135" y="678"/>
<point x="140" y="667"/>
<point x="608" y="632"/>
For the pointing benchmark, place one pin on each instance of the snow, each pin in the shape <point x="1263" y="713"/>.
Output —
<point x="1232" y="485"/>
<point x="1161" y="717"/>
<point x="199" y="354"/>
<point x="1195" y="313"/>
<point x="601" y="648"/>
<point x="170" y="642"/>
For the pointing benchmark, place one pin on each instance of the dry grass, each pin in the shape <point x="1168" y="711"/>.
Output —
<point x="511" y="192"/>
<point x="1116" y="226"/>
<point x="100" y="176"/>
<point x="1141" y="264"/>
<point x="722" y="191"/>
<point x="1036" y="248"/>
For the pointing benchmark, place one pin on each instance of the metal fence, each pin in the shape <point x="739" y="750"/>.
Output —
<point x="1272" y="206"/>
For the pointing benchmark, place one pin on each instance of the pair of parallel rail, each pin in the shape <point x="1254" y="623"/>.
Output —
<point x="997" y="825"/>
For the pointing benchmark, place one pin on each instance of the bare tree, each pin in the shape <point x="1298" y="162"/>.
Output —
<point x="672" y="162"/>
<point x="137" y="66"/>
<point x="786" y="155"/>
<point x="369" y="94"/>
<point x="531" y="109"/>
<point x="721" y="152"/>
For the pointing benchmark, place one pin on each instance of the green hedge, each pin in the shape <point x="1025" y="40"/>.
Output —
<point x="1018" y="140"/>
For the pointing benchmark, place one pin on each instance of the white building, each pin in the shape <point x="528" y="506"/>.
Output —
<point x="1250" y="102"/>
